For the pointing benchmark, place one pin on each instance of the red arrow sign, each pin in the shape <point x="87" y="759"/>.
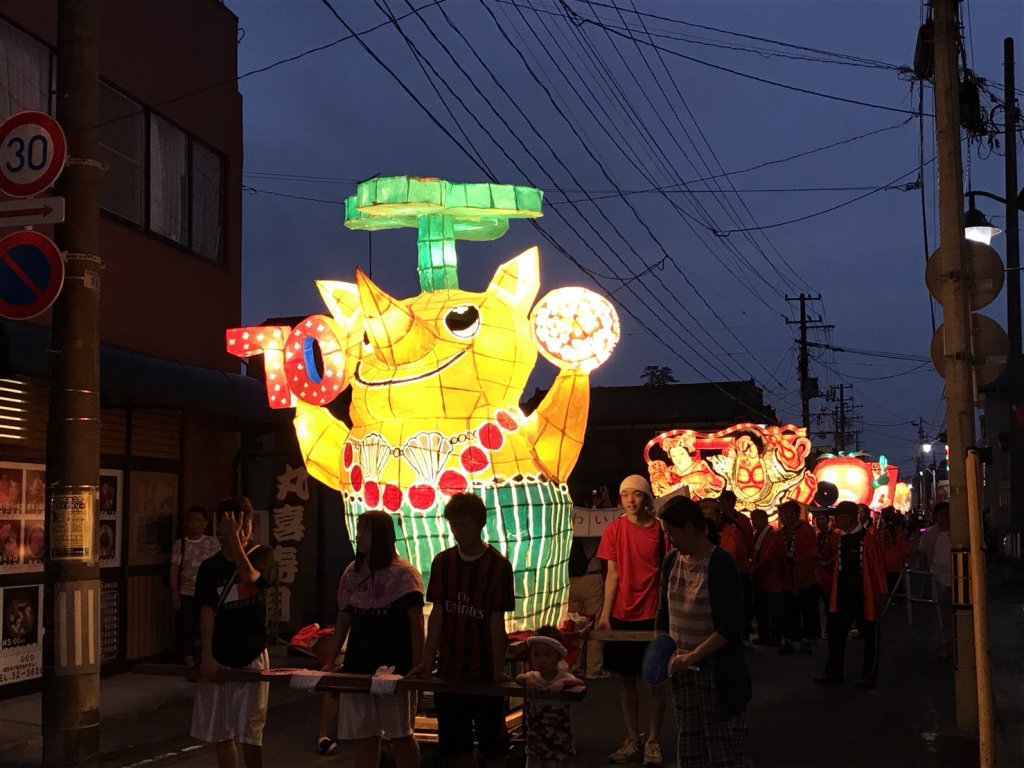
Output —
<point x="41" y="211"/>
<point x="25" y="213"/>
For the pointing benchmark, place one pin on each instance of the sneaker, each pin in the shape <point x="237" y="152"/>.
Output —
<point x="627" y="753"/>
<point x="652" y="753"/>
<point x="601" y="674"/>
<point x="325" y="745"/>
<point x="786" y="648"/>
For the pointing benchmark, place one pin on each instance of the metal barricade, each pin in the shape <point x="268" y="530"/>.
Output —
<point x="918" y="587"/>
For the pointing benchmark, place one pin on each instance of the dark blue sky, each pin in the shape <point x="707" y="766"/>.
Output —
<point x="614" y="106"/>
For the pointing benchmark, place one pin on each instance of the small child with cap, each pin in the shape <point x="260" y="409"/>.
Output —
<point x="549" y="742"/>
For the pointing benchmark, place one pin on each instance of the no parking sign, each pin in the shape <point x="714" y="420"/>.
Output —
<point x="31" y="274"/>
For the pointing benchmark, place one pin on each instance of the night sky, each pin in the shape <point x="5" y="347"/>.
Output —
<point x="729" y="174"/>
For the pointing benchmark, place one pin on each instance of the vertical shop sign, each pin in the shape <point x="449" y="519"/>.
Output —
<point x="288" y="531"/>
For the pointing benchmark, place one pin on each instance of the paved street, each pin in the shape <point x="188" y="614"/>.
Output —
<point x="906" y="722"/>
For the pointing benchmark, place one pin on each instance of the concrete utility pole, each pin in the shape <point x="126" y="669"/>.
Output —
<point x="71" y="644"/>
<point x="957" y="353"/>
<point x="808" y="386"/>
<point x="1014" y="372"/>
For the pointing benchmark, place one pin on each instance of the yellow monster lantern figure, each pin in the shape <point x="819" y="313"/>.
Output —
<point x="763" y="466"/>
<point x="436" y="382"/>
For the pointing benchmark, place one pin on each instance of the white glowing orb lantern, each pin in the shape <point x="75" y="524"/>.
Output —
<point x="575" y="328"/>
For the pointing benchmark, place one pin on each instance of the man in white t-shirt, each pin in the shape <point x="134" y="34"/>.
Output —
<point x="935" y="551"/>
<point x="187" y="553"/>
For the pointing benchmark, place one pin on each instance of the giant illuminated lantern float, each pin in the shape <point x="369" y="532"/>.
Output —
<point x="436" y="382"/>
<point x="763" y="466"/>
<point x="861" y="481"/>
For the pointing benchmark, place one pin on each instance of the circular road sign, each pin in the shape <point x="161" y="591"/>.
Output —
<point x="990" y="349"/>
<point x="985" y="274"/>
<point x="31" y="274"/>
<point x="32" y="153"/>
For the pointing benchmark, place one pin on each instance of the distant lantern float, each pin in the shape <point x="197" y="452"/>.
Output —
<point x="858" y="479"/>
<point x="762" y="465"/>
<point x="436" y="382"/>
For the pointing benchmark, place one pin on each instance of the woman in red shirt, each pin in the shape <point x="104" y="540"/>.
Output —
<point x="633" y="546"/>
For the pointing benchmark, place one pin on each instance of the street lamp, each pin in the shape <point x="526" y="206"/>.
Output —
<point x="974" y="229"/>
<point x="976" y="226"/>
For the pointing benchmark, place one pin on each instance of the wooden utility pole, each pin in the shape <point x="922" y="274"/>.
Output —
<point x="1014" y="365"/>
<point x="808" y="386"/>
<point x="957" y="353"/>
<point x="71" y="644"/>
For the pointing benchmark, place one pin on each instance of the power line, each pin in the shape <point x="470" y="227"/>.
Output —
<point x="763" y="80"/>
<point x="905" y="188"/>
<point x="484" y="169"/>
<point x="653" y="145"/>
<point x="781" y="43"/>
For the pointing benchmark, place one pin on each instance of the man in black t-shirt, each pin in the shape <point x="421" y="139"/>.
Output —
<point x="231" y="590"/>
<point x="471" y="589"/>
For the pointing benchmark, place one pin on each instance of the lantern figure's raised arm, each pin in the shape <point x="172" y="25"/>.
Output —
<point x="436" y="382"/>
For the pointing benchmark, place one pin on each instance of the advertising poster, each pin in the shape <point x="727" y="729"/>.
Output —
<point x="154" y="505"/>
<point x="111" y="489"/>
<point x="21" y="650"/>
<point x="23" y="525"/>
<point x="22" y="502"/>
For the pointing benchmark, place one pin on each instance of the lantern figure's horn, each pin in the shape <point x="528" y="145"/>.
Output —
<point x="394" y="332"/>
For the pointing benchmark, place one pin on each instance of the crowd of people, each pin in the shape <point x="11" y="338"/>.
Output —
<point x="704" y="574"/>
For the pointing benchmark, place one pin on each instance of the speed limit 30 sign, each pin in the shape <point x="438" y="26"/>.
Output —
<point x="32" y="153"/>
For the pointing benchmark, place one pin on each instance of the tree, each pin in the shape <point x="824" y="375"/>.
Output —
<point x="658" y="375"/>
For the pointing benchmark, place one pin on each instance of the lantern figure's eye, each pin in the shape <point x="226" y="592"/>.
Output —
<point x="463" y="321"/>
<point x="366" y="342"/>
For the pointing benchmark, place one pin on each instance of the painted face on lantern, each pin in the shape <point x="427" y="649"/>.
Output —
<point x="445" y="352"/>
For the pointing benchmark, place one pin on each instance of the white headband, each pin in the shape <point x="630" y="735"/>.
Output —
<point x="544" y="640"/>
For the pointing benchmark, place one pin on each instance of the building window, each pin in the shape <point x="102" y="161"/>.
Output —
<point x="168" y="180"/>
<point x="185" y="187"/>
<point x="122" y="149"/>
<point x="25" y="71"/>
<point x="207" y="218"/>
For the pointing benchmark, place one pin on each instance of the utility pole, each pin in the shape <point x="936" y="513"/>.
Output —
<point x="1014" y="366"/>
<point x="957" y="351"/>
<point x="808" y="386"/>
<point x="71" y="641"/>
<point x="841" y="417"/>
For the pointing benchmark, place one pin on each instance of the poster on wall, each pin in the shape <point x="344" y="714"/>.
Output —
<point x="154" y="504"/>
<point x="21" y="650"/>
<point x="111" y="489"/>
<point x="22" y="504"/>
<point x="23" y="511"/>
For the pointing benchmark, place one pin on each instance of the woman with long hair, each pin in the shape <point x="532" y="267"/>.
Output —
<point x="380" y="611"/>
<point x="702" y="608"/>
